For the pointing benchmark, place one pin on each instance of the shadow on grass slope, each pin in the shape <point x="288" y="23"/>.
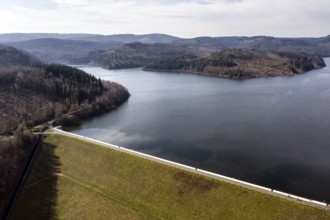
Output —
<point x="40" y="188"/>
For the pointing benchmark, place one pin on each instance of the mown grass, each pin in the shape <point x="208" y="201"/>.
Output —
<point x="72" y="179"/>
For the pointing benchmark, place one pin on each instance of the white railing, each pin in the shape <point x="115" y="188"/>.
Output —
<point x="197" y="170"/>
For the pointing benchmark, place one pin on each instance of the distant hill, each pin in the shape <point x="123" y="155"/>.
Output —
<point x="89" y="48"/>
<point x="204" y="45"/>
<point x="12" y="37"/>
<point x="311" y="46"/>
<point x="74" y="48"/>
<point x="241" y="64"/>
<point x="124" y="38"/>
<point x="136" y="55"/>
<point x="63" y="51"/>
<point x="10" y="56"/>
<point x="130" y="38"/>
<point x="131" y="55"/>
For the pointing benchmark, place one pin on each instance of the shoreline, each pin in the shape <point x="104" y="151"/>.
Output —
<point x="223" y="76"/>
<point x="244" y="184"/>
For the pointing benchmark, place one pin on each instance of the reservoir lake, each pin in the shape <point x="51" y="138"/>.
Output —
<point x="273" y="132"/>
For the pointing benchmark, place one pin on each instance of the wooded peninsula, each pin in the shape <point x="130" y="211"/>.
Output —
<point x="241" y="64"/>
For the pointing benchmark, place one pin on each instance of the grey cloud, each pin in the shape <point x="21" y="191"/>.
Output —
<point x="30" y="4"/>
<point x="175" y="1"/>
<point x="233" y="1"/>
<point x="203" y="2"/>
<point x="180" y="16"/>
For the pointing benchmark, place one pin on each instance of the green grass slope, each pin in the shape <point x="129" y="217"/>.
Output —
<point x="72" y="179"/>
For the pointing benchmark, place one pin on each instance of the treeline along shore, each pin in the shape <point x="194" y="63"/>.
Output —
<point x="32" y="93"/>
<point x="241" y="64"/>
<point x="54" y="91"/>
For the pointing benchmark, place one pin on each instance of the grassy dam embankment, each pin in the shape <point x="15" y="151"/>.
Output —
<point x="75" y="179"/>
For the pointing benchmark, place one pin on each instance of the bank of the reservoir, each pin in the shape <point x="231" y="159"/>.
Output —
<point x="196" y="170"/>
<point x="271" y="132"/>
<point x="241" y="64"/>
<point x="74" y="179"/>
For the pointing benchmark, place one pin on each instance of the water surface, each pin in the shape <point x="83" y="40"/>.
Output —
<point x="273" y="132"/>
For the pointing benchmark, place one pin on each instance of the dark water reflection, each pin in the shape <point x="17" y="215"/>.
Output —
<point x="274" y="132"/>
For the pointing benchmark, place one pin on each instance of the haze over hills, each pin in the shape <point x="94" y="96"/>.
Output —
<point x="74" y="48"/>
<point x="10" y="56"/>
<point x="136" y="55"/>
<point x="94" y="48"/>
<point x="124" y="38"/>
<point x="63" y="50"/>
<point x="318" y="46"/>
<point x="12" y="37"/>
<point x="129" y="38"/>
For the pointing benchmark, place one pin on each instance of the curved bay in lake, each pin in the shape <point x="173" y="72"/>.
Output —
<point x="273" y="132"/>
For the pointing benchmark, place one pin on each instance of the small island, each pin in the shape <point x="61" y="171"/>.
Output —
<point x="241" y="64"/>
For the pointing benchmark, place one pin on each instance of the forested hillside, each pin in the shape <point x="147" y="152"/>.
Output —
<point x="136" y="55"/>
<point x="32" y="93"/>
<point x="75" y="48"/>
<point x="241" y="64"/>
<point x="10" y="56"/>
<point x="141" y="54"/>
<point x="206" y="45"/>
<point x="129" y="50"/>
<point x="63" y="50"/>
<point x="36" y="94"/>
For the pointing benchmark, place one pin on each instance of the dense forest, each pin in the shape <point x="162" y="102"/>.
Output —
<point x="136" y="55"/>
<point x="31" y="95"/>
<point x="36" y="94"/>
<point x="241" y="64"/>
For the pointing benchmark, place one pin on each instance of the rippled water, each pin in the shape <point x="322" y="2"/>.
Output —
<point x="273" y="132"/>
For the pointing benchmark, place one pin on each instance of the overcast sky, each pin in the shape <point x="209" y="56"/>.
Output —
<point x="183" y="18"/>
